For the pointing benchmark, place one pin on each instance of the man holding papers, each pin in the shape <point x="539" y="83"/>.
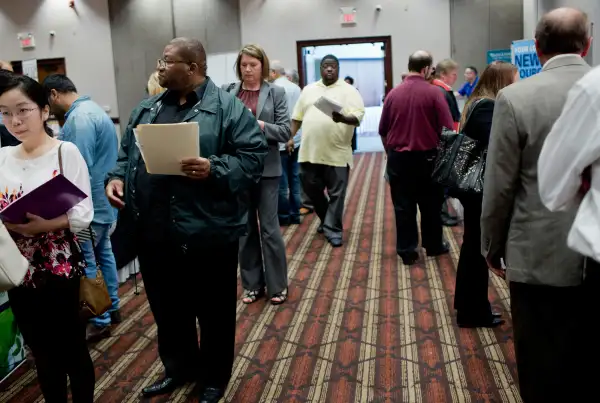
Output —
<point x="328" y="111"/>
<point x="187" y="226"/>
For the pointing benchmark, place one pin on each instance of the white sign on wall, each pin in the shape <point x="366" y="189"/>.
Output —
<point x="221" y="68"/>
<point x="30" y="68"/>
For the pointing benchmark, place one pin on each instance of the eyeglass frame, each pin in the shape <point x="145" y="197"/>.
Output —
<point x="20" y="115"/>
<point x="168" y="63"/>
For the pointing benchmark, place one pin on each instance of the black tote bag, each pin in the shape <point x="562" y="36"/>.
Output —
<point x="460" y="161"/>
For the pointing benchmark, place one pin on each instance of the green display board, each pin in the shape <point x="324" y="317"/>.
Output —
<point x="12" y="348"/>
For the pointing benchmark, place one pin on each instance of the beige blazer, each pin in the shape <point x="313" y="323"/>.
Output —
<point x="515" y="224"/>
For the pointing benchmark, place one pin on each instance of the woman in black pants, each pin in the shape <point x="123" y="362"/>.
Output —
<point x="46" y="305"/>
<point x="471" y="295"/>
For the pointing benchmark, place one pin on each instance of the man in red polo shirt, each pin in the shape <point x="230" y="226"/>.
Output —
<point x="414" y="114"/>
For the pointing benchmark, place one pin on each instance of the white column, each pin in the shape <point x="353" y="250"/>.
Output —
<point x="530" y="18"/>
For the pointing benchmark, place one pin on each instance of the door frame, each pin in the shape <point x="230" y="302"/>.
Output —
<point x="387" y="60"/>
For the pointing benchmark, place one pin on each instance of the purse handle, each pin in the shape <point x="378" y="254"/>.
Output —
<point x="469" y="113"/>
<point x="92" y="235"/>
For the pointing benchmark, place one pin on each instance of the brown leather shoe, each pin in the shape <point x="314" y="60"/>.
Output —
<point x="305" y="211"/>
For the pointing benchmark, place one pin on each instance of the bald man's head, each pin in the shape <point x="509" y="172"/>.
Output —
<point x="419" y="61"/>
<point x="563" y="31"/>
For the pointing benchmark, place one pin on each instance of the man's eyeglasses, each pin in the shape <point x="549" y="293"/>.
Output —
<point x="22" y="113"/>
<point x="168" y="63"/>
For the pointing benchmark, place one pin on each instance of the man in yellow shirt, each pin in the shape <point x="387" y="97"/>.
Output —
<point x="326" y="150"/>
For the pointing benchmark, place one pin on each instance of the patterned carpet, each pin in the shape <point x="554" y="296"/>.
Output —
<point x="359" y="326"/>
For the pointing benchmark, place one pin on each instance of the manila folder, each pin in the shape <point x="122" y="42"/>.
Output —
<point x="164" y="146"/>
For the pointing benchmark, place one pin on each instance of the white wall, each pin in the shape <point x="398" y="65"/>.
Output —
<point x="534" y="9"/>
<point x="82" y="37"/>
<point x="415" y="24"/>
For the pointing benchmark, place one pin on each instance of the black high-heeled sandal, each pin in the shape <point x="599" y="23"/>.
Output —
<point x="279" y="298"/>
<point x="251" y="296"/>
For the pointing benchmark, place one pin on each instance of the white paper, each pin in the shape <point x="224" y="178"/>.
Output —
<point x="328" y="106"/>
<point x="30" y="68"/>
<point x="164" y="146"/>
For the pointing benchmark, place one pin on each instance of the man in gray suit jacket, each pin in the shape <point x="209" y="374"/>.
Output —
<point x="544" y="275"/>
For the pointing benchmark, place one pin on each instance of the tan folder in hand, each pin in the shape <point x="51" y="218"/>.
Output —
<point x="164" y="146"/>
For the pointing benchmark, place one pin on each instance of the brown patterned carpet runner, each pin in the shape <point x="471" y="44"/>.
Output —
<point x="358" y="326"/>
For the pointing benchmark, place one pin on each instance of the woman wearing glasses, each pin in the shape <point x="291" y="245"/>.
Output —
<point x="46" y="305"/>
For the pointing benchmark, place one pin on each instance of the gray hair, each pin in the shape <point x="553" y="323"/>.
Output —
<point x="292" y="75"/>
<point x="277" y="67"/>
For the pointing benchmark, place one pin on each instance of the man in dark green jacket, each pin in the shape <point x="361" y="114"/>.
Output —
<point x="187" y="227"/>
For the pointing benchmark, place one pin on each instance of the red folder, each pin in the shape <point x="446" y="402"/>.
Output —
<point x="52" y="199"/>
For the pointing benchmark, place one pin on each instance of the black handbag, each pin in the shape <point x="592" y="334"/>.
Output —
<point x="460" y="161"/>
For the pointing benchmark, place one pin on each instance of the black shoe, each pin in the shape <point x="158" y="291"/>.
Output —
<point x="320" y="230"/>
<point x="409" y="258"/>
<point x="163" y="387"/>
<point x="211" y="395"/>
<point x="496" y="314"/>
<point x="94" y="334"/>
<point x="295" y="220"/>
<point x="445" y="248"/>
<point x="491" y="323"/>
<point x="336" y="242"/>
<point x="115" y="317"/>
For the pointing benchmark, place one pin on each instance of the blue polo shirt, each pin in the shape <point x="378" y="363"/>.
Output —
<point x="468" y="88"/>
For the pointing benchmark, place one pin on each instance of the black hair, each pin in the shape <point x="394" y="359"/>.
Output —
<point x="31" y="88"/>
<point x="192" y="51"/>
<point x="473" y="69"/>
<point x="418" y="61"/>
<point x="349" y="79"/>
<point x="330" y="57"/>
<point x="60" y="83"/>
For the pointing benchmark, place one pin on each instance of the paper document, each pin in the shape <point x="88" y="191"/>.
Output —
<point x="163" y="146"/>
<point x="328" y="106"/>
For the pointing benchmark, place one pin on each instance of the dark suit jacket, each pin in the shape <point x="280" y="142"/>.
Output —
<point x="479" y="125"/>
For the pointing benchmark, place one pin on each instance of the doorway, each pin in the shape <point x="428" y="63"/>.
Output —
<point x="368" y="62"/>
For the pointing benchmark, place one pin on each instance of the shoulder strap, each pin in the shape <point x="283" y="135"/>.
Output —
<point x="60" y="160"/>
<point x="231" y="86"/>
<point x="470" y="112"/>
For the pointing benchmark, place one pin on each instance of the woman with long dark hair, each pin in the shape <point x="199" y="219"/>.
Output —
<point x="46" y="305"/>
<point x="471" y="295"/>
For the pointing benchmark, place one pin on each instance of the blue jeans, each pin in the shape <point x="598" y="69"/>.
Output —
<point x="289" y="187"/>
<point x="106" y="260"/>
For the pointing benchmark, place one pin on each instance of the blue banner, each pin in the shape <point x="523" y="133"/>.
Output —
<point x="525" y="58"/>
<point x="499" y="55"/>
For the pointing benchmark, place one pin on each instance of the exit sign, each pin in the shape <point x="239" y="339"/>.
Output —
<point x="348" y="16"/>
<point x="27" y="41"/>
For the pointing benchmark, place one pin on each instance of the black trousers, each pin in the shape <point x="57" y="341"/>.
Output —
<point x="316" y="178"/>
<point x="555" y="347"/>
<point x="48" y="318"/>
<point x="409" y="175"/>
<point x="472" y="273"/>
<point x="185" y="285"/>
